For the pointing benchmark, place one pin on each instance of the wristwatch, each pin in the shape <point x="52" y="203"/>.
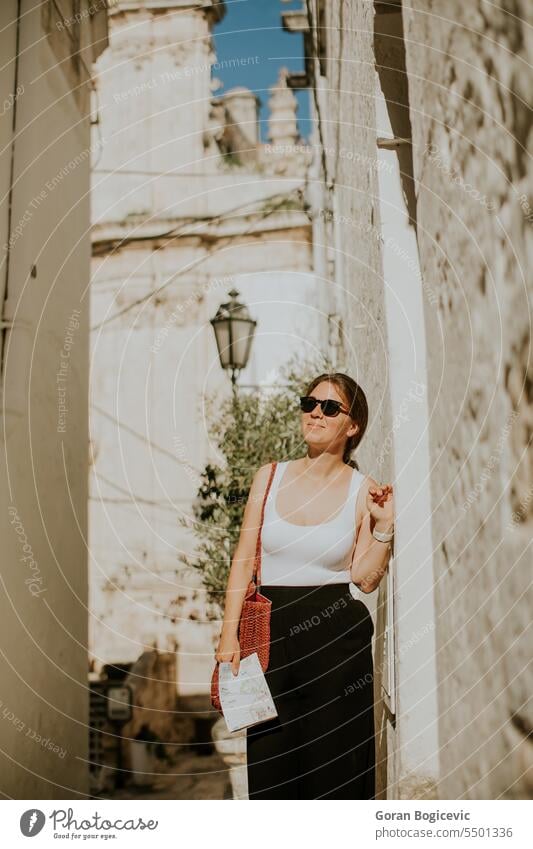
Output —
<point x="383" y="537"/>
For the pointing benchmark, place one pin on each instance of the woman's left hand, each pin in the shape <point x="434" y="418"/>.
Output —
<point x="380" y="504"/>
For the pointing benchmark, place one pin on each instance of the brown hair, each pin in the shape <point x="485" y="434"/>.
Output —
<point x="357" y="405"/>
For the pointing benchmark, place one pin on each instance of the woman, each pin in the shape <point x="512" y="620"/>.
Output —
<point x="325" y="525"/>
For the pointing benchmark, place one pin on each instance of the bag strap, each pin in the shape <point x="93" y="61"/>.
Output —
<point x="256" y="575"/>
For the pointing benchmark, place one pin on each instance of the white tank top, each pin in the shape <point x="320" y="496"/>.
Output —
<point x="307" y="555"/>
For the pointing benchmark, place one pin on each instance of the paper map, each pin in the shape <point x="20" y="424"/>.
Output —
<point x="245" y="698"/>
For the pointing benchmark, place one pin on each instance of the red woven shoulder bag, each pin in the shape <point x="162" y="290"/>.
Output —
<point x="254" y="624"/>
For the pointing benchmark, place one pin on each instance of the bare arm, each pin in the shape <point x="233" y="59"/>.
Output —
<point x="371" y="557"/>
<point x="241" y="570"/>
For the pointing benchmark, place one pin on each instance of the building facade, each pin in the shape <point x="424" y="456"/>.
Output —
<point x="188" y="203"/>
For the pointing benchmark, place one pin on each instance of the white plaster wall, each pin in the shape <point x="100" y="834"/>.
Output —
<point x="415" y="759"/>
<point x="44" y="733"/>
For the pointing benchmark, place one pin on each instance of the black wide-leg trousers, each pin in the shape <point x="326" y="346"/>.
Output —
<point x="320" y="674"/>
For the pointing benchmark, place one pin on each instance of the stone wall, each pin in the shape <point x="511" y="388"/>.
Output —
<point x="462" y="103"/>
<point x="349" y="138"/>
<point x="351" y="155"/>
<point x="469" y="77"/>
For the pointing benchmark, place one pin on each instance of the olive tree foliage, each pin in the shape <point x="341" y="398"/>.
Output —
<point x="247" y="431"/>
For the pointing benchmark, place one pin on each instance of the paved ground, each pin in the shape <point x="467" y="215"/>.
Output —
<point x="191" y="776"/>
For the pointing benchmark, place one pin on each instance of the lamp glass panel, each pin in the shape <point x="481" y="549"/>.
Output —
<point x="241" y="332"/>
<point x="222" y="335"/>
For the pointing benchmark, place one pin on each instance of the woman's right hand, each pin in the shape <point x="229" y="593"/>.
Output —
<point x="229" y="651"/>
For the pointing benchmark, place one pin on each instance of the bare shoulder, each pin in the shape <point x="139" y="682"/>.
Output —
<point x="263" y="473"/>
<point x="260" y="481"/>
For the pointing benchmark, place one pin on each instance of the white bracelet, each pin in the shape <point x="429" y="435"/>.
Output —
<point x="382" y="537"/>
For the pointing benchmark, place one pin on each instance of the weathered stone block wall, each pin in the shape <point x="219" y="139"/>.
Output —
<point x="352" y="163"/>
<point x="351" y="156"/>
<point x="469" y="79"/>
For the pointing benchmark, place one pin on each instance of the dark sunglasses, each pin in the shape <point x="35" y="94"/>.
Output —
<point x="330" y="407"/>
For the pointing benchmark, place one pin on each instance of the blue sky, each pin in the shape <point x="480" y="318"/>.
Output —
<point x="253" y="28"/>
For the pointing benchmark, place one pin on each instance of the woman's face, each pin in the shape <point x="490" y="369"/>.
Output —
<point x="327" y="432"/>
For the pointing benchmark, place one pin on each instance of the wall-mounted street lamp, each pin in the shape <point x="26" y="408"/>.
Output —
<point x="234" y="331"/>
